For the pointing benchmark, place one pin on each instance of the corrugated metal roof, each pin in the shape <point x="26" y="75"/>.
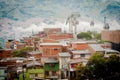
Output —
<point x="64" y="54"/>
<point x="35" y="52"/>
<point x="50" y="60"/>
<point x="81" y="52"/>
<point x="50" y="44"/>
<point x="96" y="47"/>
<point x="79" y="42"/>
<point x="33" y="63"/>
<point x="111" y="50"/>
<point x="78" y="60"/>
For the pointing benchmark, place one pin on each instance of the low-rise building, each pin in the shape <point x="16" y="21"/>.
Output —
<point x="81" y="54"/>
<point x="64" y="59"/>
<point x="51" y="67"/>
<point x="96" y="48"/>
<point x="51" y="49"/>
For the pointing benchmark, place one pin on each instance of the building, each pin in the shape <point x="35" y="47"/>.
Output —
<point x="79" y="45"/>
<point x="64" y="59"/>
<point x="51" y="49"/>
<point x="3" y="73"/>
<point x="81" y="54"/>
<point x="96" y="48"/>
<point x="37" y="54"/>
<point x="59" y="36"/>
<point x="35" y="70"/>
<point x="52" y="30"/>
<point x="112" y="36"/>
<point x="51" y="67"/>
<point x="4" y="53"/>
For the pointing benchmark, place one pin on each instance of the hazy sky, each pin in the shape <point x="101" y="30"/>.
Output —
<point x="21" y="16"/>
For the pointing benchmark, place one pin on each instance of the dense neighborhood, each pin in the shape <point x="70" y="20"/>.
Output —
<point x="53" y="54"/>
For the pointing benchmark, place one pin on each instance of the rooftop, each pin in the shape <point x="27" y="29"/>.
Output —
<point x="13" y="58"/>
<point x="50" y="60"/>
<point x="52" y="44"/>
<point x="111" y="50"/>
<point x="81" y="52"/>
<point x="64" y="54"/>
<point x="78" y="60"/>
<point x="35" y="52"/>
<point x="34" y="63"/>
<point x="96" y="47"/>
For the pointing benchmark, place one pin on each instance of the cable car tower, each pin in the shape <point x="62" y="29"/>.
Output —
<point x="106" y="25"/>
<point x="73" y="21"/>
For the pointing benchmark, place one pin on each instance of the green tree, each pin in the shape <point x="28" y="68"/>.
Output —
<point x="0" y="46"/>
<point x="97" y="65"/>
<point x="22" y="52"/>
<point x="82" y="72"/>
<point x="84" y="35"/>
<point x="99" y="68"/>
<point x="113" y="67"/>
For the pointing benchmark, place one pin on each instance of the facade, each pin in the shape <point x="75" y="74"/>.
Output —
<point x="4" y="53"/>
<point x="46" y="40"/>
<point x="51" y="49"/>
<point x="52" y="30"/>
<point x="37" y="54"/>
<point x="35" y="70"/>
<point x="81" y="54"/>
<point x="64" y="59"/>
<point x="112" y="36"/>
<point x="72" y="65"/>
<point x="80" y="45"/>
<point x="28" y="41"/>
<point x="51" y="67"/>
<point x="60" y="36"/>
<point x="3" y="73"/>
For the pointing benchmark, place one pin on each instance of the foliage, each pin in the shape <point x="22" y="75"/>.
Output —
<point x="97" y="65"/>
<point x="22" y="52"/>
<point x="113" y="65"/>
<point x="0" y="46"/>
<point x="37" y="39"/>
<point x="99" y="68"/>
<point x="84" y="35"/>
<point x="89" y="35"/>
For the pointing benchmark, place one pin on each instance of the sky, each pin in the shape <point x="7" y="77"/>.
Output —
<point x="18" y="18"/>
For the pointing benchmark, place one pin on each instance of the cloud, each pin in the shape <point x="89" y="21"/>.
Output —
<point x="25" y="15"/>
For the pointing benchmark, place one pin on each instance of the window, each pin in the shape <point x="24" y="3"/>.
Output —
<point x="82" y="55"/>
<point x="47" y="73"/>
<point x="55" y="49"/>
<point x="53" y="73"/>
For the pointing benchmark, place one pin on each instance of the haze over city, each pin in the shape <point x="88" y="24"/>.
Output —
<point x="20" y="17"/>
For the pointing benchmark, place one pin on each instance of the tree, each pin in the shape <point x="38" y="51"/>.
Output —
<point x="97" y="65"/>
<point x="23" y="52"/>
<point x="82" y="72"/>
<point x="113" y="67"/>
<point x="100" y="68"/>
<point x="85" y="35"/>
<point x="0" y="46"/>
